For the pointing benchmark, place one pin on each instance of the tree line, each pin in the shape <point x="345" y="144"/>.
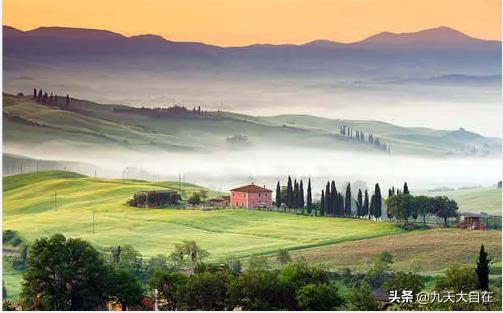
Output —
<point x="400" y="204"/>
<point x="70" y="274"/>
<point x="43" y="97"/>
<point x="360" y="136"/>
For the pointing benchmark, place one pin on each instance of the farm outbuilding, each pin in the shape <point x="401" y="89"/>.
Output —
<point x="471" y="221"/>
<point x="155" y="198"/>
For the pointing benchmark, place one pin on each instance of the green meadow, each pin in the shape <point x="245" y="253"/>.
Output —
<point x="30" y="209"/>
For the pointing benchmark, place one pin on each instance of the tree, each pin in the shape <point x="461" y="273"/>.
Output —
<point x="322" y="204"/>
<point x="372" y="206"/>
<point x="301" y="196"/>
<point x="365" y="207"/>
<point x="124" y="287"/>
<point x="400" y="206"/>
<point x="319" y="297"/>
<point x="459" y="278"/>
<point x="295" y="194"/>
<point x="359" y="203"/>
<point x="405" y="281"/>
<point x="278" y="195"/>
<point x="483" y="269"/>
<point x="188" y="252"/>
<point x="405" y="188"/>
<point x="445" y="208"/>
<point x="283" y="257"/>
<point x="333" y="200"/>
<point x="378" y="202"/>
<point x="204" y="291"/>
<point x="194" y="199"/>
<point x="289" y="193"/>
<point x="67" y="102"/>
<point x="256" y="290"/>
<point x="423" y="206"/>
<point x="34" y="93"/>
<point x="361" y="299"/>
<point x="309" y="198"/>
<point x="347" y="205"/>
<point x="167" y="285"/>
<point x="63" y="274"/>
<point x="328" y="200"/>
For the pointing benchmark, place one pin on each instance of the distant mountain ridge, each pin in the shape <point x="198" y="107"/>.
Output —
<point x="439" y="35"/>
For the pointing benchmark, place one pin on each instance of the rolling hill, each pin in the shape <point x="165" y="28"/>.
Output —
<point x="28" y="208"/>
<point x="88" y="125"/>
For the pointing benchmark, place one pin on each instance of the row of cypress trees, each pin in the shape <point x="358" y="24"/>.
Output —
<point x="332" y="202"/>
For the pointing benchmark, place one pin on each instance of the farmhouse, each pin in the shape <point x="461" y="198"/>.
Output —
<point x="154" y="198"/>
<point x="251" y="196"/>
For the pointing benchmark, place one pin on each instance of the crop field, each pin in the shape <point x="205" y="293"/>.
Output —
<point x="29" y="208"/>
<point x="425" y="251"/>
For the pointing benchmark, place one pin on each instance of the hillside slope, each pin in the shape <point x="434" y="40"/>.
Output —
<point x="29" y="209"/>
<point x="91" y="125"/>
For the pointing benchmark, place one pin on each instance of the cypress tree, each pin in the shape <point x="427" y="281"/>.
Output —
<point x="328" y="200"/>
<point x="289" y="193"/>
<point x="340" y="203"/>
<point x="378" y="202"/>
<point x="322" y="203"/>
<point x="39" y="97"/>
<point x="295" y="194"/>
<point x="301" y="196"/>
<point x="278" y="195"/>
<point x="347" y="206"/>
<point x="333" y="195"/>
<point x="483" y="269"/>
<point x="35" y="93"/>
<point x="365" y="207"/>
<point x="359" y="203"/>
<point x="309" y="197"/>
<point x="405" y="188"/>
<point x="372" y="207"/>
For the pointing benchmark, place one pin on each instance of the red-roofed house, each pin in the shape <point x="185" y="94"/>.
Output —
<point x="251" y="196"/>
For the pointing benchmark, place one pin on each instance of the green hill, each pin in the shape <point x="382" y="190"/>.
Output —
<point x="91" y="125"/>
<point x="483" y="199"/>
<point x="29" y="209"/>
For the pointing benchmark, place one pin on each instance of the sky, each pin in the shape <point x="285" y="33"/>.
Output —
<point x="243" y="22"/>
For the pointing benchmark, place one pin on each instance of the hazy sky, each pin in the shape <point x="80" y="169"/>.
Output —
<point x="241" y="22"/>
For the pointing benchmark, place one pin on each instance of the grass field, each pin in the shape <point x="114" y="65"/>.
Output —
<point x="29" y="209"/>
<point x="426" y="251"/>
<point x="484" y="199"/>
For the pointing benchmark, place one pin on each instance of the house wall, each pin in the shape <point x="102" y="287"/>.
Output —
<point x="239" y="199"/>
<point x="260" y="198"/>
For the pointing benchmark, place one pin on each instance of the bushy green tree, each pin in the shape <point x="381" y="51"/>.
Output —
<point x="400" y="206"/>
<point x="361" y="299"/>
<point x="188" y="253"/>
<point x="63" y="274"/>
<point x="405" y="281"/>
<point x="445" y="208"/>
<point x="204" y="291"/>
<point x="459" y="278"/>
<point x="256" y="289"/>
<point x="168" y="285"/>
<point x="319" y="297"/>
<point x="423" y="206"/>
<point x="124" y="287"/>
